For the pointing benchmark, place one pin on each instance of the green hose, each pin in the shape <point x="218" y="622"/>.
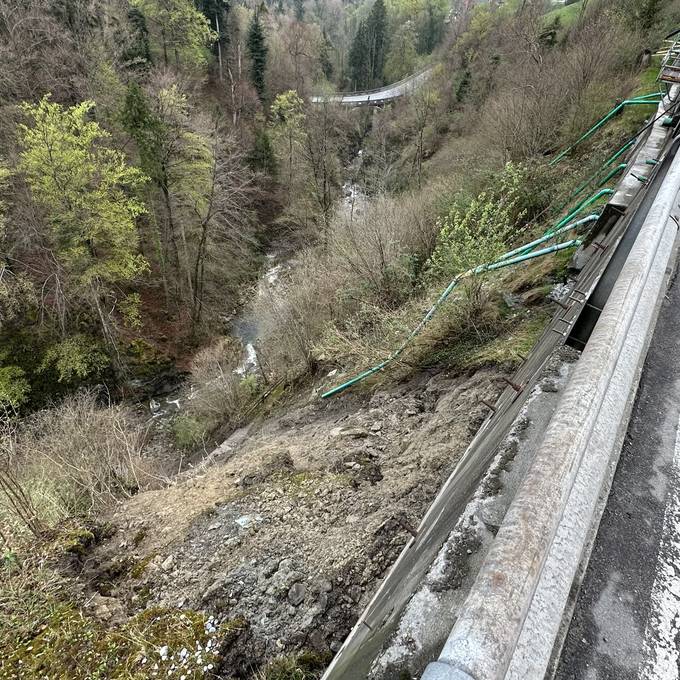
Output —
<point x="643" y="100"/>
<point x="498" y="264"/>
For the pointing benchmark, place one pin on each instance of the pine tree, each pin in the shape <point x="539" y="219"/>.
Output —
<point x="325" y="57"/>
<point x="367" y="53"/>
<point x="138" y="51"/>
<point x="257" y="50"/>
<point x="377" y="41"/>
<point x="299" y="9"/>
<point x="358" y="58"/>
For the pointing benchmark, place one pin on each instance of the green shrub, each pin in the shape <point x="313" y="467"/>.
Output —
<point x="478" y="232"/>
<point x="189" y="432"/>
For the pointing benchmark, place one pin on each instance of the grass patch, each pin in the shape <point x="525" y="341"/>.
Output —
<point x="567" y="15"/>
<point x="301" y="666"/>
<point x="44" y="636"/>
<point x="508" y="349"/>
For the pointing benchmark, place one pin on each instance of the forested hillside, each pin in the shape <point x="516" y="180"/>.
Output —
<point x="190" y="248"/>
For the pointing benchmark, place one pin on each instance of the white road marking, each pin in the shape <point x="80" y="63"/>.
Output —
<point x="660" y="651"/>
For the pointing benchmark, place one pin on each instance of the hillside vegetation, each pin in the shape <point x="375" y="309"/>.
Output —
<point x="156" y="157"/>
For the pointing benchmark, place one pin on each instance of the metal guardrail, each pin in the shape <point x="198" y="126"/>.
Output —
<point x="369" y="96"/>
<point x="524" y="584"/>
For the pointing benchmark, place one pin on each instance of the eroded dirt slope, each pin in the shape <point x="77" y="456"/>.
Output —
<point x="290" y="525"/>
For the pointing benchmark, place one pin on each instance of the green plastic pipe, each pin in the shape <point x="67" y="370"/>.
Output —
<point x="603" y="121"/>
<point x="574" y="225"/>
<point x="583" y="204"/>
<point x="539" y="253"/>
<point x="611" y="173"/>
<point x="498" y="264"/>
<point x="593" y="177"/>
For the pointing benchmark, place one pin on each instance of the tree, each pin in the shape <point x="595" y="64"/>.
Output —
<point x="425" y="102"/>
<point x="261" y="156"/>
<point x="216" y="194"/>
<point x="257" y="50"/>
<point x="182" y="29"/>
<point x="402" y="58"/>
<point x="320" y="154"/>
<point x="137" y="51"/>
<point x="88" y="194"/>
<point x="377" y="40"/>
<point x="287" y="122"/>
<point x="367" y="53"/>
<point x="299" y="9"/>
<point x="358" y="58"/>
<point x="201" y="215"/>
<point x="325" y="57"/>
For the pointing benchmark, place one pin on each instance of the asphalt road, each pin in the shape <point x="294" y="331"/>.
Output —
<point x="626" y="622"/>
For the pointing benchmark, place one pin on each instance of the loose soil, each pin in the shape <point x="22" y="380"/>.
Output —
<point x="291" y="523"/>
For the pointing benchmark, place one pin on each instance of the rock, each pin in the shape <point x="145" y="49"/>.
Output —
<point x="355" y="432"/>
<point x="213" y="589"/>
<point x="246" y="521"/>
<point x="355" y="593"/>
<point x="325" y="586"/>
<point x="107" y="609"/>
<point x="167" y="562"/>
<point x="352" y="432"/>
<point x="215" y="526"/>
<point x="296" y="594"/>
<point x="377" y="426"/>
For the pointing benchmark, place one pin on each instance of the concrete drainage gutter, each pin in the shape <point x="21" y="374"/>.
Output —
<point x="511" y="620"/>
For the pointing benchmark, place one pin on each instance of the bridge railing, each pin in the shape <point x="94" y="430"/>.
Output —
<point x="339" y="96"/>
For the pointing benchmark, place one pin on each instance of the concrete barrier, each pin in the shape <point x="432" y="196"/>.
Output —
<point x="511" y="618"/>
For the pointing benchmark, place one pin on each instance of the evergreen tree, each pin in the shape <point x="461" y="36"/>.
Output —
<point x="367" y="53"/>
<point x="325" y="57"/>
<point x="377" y="41"/>
<point x="138" y="51"/>
<point x="299" y="9"/>
<point x="358" y="58"/>
<point x="261" y="156"/>
<point x="257" y="50"/>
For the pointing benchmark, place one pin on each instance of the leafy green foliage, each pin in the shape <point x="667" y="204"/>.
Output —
<point x="402" y="58"/>
<point x="87" y="191"/>
<point x="477" y="232"/>
<point x="181" y="29"/>
<point x="76" y="358"/>
<point x="130" y="308"/>
<point x="14" y="388"/>
<point x="287" y="121"/>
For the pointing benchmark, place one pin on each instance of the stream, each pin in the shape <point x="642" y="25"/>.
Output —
<point x="244" y="325"/>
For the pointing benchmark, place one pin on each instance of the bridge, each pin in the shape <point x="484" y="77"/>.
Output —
<point x="376" y="97"/>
